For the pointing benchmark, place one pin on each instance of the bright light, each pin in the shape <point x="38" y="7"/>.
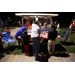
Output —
<point x="36" y="19"/>
<point x="34" y="14"/>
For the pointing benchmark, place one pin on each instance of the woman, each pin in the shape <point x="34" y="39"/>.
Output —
<point x="35" y="34"/>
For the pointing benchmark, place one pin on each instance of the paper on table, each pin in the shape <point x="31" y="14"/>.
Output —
<point x="29" y="33"/>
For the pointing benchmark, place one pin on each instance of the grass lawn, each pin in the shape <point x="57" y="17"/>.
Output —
<point x="68" y="45"/>
<point x="61" y="46"/>
<point x="3" y="29"/>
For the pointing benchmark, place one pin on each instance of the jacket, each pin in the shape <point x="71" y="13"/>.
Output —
<point x="52" y="34"/>
<point x="35" y="32"/>
<point x="20" y="32"/>
<point x="25" y="39"/>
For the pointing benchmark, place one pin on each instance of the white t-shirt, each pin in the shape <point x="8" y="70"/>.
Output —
<point x="35" y="32"/>
<point x="58" y="26"/>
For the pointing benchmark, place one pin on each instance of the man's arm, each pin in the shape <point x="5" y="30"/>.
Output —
<point x="39" y="31"/>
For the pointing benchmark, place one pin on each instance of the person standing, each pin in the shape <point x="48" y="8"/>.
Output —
<point x="19" y="23"/>
<point x="58" y="25"/>
<point x="27" y="24"/>
<point x="72" y="26"/>
<point x="52" y="34"/>
<point x="1" y="45"/>
<point x="26" y="37"/>
<point x="20" y="32"/>
<point x="44" y="28"/>
<point x="35" y="34"/>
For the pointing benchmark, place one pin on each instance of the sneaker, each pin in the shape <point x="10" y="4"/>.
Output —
<point x="27" y="54"/>
<point x="38" y="59"/>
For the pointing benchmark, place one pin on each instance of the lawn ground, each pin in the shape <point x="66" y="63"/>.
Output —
<point x="62" y="46"/>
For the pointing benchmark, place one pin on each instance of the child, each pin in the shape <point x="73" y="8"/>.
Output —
<point x="1" y="46"/>
<point x="52" y="34"/>
<point x="26" y="42"/>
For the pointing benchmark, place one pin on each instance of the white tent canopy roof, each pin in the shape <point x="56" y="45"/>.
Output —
<point x="35" y="14"/>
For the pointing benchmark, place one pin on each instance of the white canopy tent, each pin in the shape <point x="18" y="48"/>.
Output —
<point x="35" y="15"/>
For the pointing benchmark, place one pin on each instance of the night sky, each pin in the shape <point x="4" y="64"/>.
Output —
<point x="63" y="14"/>
<point x="63" y="18"/>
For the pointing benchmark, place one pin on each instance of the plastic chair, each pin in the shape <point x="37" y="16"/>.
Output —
<point x="66" y="35"/>
<point x="6" y="39"/>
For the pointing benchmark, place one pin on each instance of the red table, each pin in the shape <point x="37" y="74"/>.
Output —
<point x="22" y="38"/>
<point x="42" y="36"/>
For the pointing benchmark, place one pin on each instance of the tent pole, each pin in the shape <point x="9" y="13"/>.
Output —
<point x="22" y="20"/>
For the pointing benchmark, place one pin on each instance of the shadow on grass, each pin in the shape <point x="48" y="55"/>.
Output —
<point x="67" y="43"/>
<point x="60" y="51"/>
<point x="12" y="48"/>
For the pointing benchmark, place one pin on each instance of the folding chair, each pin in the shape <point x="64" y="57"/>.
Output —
<point x="6" y="39"/>
<point x="66" y="35"/>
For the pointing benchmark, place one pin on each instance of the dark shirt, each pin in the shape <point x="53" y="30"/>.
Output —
<point x="52" y="34"/>
<point x="25" y="39"/>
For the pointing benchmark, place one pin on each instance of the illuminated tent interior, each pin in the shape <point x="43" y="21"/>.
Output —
<point x="35" y="15"/>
